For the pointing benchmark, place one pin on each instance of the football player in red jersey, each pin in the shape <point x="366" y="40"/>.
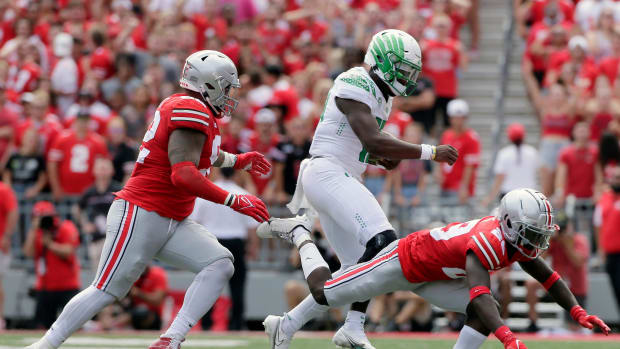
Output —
<point x="447" y="266"/>
<point x="148" y="218"/>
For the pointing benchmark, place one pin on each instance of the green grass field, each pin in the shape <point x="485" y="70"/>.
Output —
<point x="257" y="341"/>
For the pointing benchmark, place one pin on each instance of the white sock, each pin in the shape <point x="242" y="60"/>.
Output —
<point x="305" y="311"/>
<point x="469" y="339"/>
<point x="200" y="296"/>
<point x="355" y="320"/>
<point x="311" y="259"/>
<point x="80" y="309"/>
<point x="300" y="235"/>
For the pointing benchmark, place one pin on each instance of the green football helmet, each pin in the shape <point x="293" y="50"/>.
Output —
<point x="397" y="59"/>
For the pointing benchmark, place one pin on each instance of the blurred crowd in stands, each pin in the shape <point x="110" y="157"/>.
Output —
<point x="80" y="82"/>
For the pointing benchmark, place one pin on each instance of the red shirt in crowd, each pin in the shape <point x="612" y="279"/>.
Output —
<point x="53" y="272"/>
<point x="154" y="279"/>
<point x="540" y="32"/>
<point x="441" y="253"/>
<point x="102" y="63"/>
<point x="575" y="277"/>
<point x="274" y="39"/>
<point x="208" y="27"/>
<point x="598" y="125"/>
<point x="7" y="119"/>
<point x="607" y="219"/>
<point x="557" y="125"/>
<point x="76" y="159"/>
<point x="22" y="78"/>
<point x="468" y="145"/>
<point x="397" y="123"/>
<point x="608" y="67"/>
<point x="150" y="185"/>
<point x="441" y="60"/>
<point x="537" y="11"/>
<point x="48" y="131"/>
<point x="586" y="76"/>
<point x="8" y="204"/>
<point x="580" y="163"/>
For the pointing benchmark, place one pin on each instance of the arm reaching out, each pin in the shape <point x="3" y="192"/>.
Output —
<point x="184" y="150"/>
<point x="557" y="288"/>
<point x="383" y="145"/>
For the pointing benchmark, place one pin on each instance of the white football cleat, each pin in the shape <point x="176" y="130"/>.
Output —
<point x="40" y="344"/>
<point x="283" y="227"/>
<point x="277" y="338"/>
<point x="345" y="338"/>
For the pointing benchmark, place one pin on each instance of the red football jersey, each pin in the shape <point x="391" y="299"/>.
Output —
<point x="440" y="254"/>
<point x="468" y="145"/>
<point x="150" y="185"/>
<point x="76" y="158"/>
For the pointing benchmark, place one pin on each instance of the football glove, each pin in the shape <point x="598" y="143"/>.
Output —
<point x="588" y="321"/>
<point x="249" y="205"/>
<point x="253" y="162"/>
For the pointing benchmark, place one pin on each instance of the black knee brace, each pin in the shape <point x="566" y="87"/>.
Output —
<point x="376" y="244"/>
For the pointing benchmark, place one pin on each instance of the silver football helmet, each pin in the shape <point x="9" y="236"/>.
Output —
<point x="526" y="220"/>
<point x="213" y="75"/>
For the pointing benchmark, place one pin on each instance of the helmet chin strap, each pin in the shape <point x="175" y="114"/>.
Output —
<point x="384" y="87"/>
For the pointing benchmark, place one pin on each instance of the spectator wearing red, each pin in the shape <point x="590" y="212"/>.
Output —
<point x="442" y="57"/>
<point x="600" y="109"/>
<point x="37" y="116"/>
<point x="53" y="244"/>
<point x="606" y="222"/>
<point x="457" y="181"/>
<point x="556" y="112"/>
<point x="573" y="66"/>
<point x="72" y="157"/>
<point x="8" y="126"/>
<point x="576" y="173"/>
<point x="539" y="8"/>
<point x="8" y="219"/>
<point x="264" y="140"/>
<point x="100" y="113"/>
<point x="147" y="299"/>
<point x="274" y="34"/>
<point x="24" y="73"/>
<point x="545" y="38"/>
<point x="65" y="74"/>
<point x="100" y="63"/>
<point x="608" y="67"/>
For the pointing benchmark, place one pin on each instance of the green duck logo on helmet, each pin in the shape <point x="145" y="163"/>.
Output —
<point x="397" y="59"/>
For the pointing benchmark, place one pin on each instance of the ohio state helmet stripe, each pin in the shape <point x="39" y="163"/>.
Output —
<point x="484" y="252"/>
<point x="548" y="212"/>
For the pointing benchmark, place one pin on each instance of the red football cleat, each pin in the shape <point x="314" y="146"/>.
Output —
<point x="167" y="343"/>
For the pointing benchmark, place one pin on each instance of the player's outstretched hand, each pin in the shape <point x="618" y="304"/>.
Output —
<point x="252" y="206"/>
<point x="446" y="153"/>
<point x="253" y="162"/>
<point x="588" y="321"/>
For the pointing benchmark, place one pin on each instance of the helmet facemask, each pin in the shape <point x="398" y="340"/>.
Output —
<point x="531" y="241"/>
<point x="224" y="103"/>
<point x="398" y="72"/>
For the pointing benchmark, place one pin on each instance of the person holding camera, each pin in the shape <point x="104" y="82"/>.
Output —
<point x="53" y="244"/>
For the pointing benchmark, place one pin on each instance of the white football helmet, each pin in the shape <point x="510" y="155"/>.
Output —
<point x="526" y="220"/>
<point x="397" y="59"/>
<point x="213" y="75"/>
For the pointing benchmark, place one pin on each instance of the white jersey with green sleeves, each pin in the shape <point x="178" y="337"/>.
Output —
<point x="334" y="137"/>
